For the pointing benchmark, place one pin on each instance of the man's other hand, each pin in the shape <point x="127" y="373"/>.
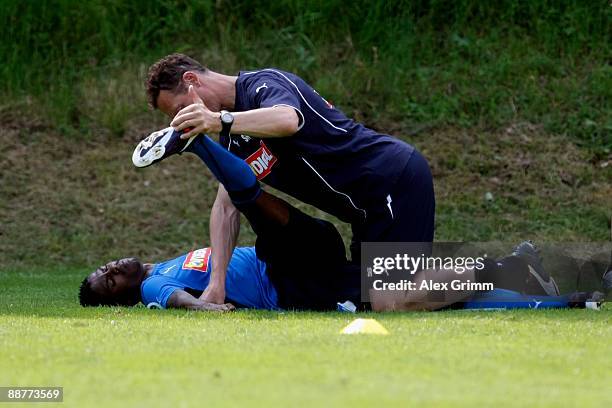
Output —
<point x="213" y="294"/>
<point x="183" y="300"/>
<point x="225" y="307"/>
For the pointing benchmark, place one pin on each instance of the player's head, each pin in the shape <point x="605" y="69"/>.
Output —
<point x="168" y="81"/>
<point x="116" y="283"/>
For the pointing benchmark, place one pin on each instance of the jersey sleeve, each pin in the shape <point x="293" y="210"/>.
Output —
<point x="158" y="289"/>
<point x="267" y="91"/>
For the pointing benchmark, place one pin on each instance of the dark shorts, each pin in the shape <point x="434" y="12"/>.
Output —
<point x="408" y="213"/>
<point x="306" y="262"/>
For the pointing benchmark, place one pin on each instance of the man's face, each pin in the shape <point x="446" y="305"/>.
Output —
<point x="117" y="278"/>
<point x="171" y="103"/>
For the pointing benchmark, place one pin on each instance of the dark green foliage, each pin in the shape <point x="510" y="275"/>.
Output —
<point x="418" y="63"/>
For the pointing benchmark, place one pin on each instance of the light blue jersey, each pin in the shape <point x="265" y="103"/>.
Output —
<point x="246" y="284"/>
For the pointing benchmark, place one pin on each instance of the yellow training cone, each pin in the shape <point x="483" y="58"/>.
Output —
<point x="367" y="326"/>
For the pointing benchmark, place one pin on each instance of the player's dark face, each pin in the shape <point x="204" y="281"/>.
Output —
<point x="116" y="278"/>
<point x="171" y="103"/>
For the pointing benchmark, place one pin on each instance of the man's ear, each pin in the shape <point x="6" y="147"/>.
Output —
<point x="191" y="78"/>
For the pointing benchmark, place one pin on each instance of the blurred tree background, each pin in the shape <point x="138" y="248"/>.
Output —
<point x="511" y="97"/>
<point x="420" y="63"/>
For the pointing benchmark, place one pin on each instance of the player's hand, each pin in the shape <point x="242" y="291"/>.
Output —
<point x="213" y="294"/>
<point x="225" y="307"/>
<point x="197" y="117"/>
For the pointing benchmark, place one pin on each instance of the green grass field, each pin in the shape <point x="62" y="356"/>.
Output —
<point x="510" y="101"/>
<point x="138" y="357"/>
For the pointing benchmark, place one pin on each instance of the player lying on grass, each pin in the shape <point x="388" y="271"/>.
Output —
<point x="298" y="262"/>
<point x="302" y="145"/>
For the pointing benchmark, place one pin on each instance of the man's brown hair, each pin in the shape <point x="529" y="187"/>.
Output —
<point x="167" y="74"/>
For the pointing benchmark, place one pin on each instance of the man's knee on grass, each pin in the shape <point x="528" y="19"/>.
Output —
<point x="116" y="283"/>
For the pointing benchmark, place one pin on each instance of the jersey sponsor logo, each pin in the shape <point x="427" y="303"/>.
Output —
<point x="261" y="161"/>
<point x="197" y="260"/>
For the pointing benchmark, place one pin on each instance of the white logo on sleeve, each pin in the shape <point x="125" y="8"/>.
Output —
<point x="261" y="87"/>
<point x="168" y="269"/>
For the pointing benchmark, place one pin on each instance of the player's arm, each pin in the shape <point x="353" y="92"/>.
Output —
<point x="277" y="116"/>
<point x="277" y="121"/>
<point x="224" y="230"/>
<point x="183" y="300"/>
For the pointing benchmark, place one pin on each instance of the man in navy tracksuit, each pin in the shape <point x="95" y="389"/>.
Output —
<point x="297" y="142"/>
